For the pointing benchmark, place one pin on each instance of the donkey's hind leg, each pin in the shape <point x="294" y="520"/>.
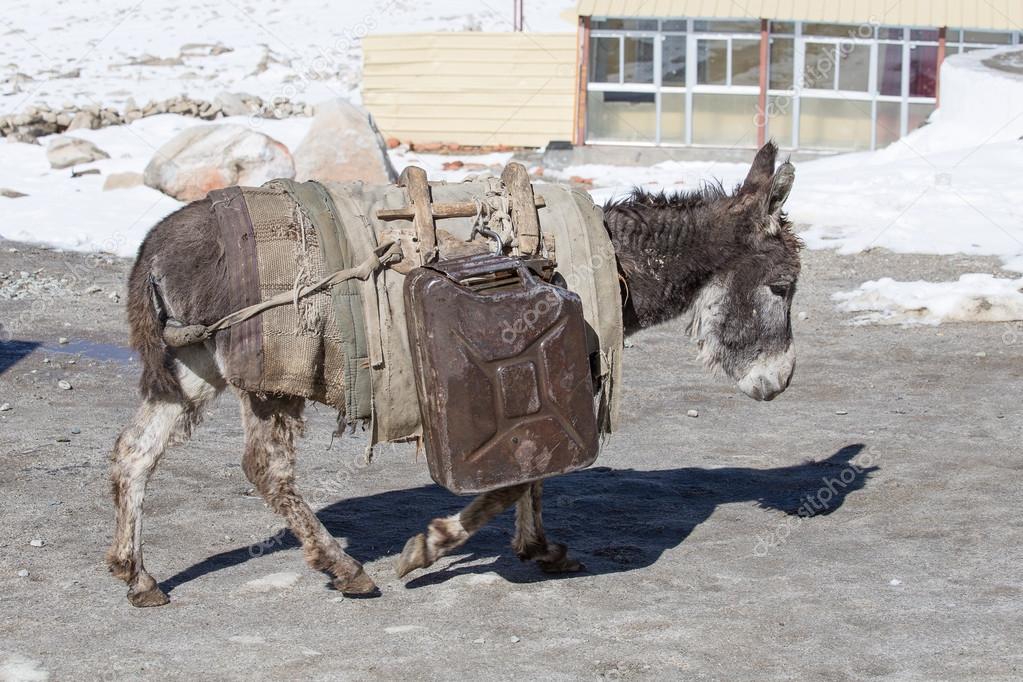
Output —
<point x="447" y="534"/>
<point x="271" y="426"/>
<point x="530" y="541"/>
<point x="156" y="424"/>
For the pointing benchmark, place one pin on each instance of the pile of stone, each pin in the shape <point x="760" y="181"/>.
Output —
<point x="33" y="286"/>
<point x="41" y="120"/>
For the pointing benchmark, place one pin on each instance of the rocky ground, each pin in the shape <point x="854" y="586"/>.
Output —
<point x="700" y="564"/>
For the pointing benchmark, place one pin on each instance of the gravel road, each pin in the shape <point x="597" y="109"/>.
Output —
<point x="703" y="560"/>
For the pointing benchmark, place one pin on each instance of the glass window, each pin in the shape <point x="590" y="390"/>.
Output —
<point x="819" y="66"/>
<point x="923" y="70"/>
<point x="953" y="35"/>
<point x="783" y="60"/>
<point x="987" y="37"/>
<point x="605" y="60"/>
<point x="838" y="124"/>
<point x="889" y="70"/>
<point x="712" y="62"/>
<point x="838" y="30"/>
<point x="786" y="27"/>
<point x="779" y="119"/>
<point x="889" y="123"/>
<point x="918" y="114"/>
<point x="890" y="33"/>
<point x="746" y="62"/>
<point x="625" y="25"/>
<point x="673" y="118"/>
<point x="728" y="26"/>
<point x="725" y="120"/>
<point x="673" y="25"/>
<point x="621" y="116"/>
<point x="639" y="60"/>
<point x="924" y="34"/>
<point x="854" y="70"/>
<point x="673" y="61"/>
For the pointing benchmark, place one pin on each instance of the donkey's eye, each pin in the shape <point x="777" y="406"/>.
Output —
<point x="781" y="290"/>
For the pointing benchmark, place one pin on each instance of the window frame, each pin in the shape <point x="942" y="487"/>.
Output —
<point x="796" y="93"/>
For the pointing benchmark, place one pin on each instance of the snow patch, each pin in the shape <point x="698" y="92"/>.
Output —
<point x="398" y="629"/>
<point x="974" y="298"/>
<point x="272" y="582"/>
<point x="484" y="579"/>
<point x="21" y="669"/>
<point x="246" y="639"/>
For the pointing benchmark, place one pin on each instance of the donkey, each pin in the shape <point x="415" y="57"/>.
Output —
<point x="726" y="264"/>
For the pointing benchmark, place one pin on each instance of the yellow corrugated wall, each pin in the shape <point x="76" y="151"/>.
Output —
<point x="471" y="88"/>
<point x="1001" y="15"/>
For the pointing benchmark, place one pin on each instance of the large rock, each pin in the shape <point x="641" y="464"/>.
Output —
<point x="210" y="157"/>
<point x="343" y="144"/>
<point x="64" y="152"/>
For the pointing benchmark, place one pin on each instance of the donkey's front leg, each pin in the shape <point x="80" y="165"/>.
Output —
<point x="531" y="542"/>
<point x="446" y="534"/>
<point x="271" y="426"/>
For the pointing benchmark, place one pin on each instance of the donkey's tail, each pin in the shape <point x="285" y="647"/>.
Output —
<point x="159" y="378"/>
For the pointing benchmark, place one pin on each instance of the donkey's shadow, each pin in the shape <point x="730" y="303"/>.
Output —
<point x="613" y="520"/>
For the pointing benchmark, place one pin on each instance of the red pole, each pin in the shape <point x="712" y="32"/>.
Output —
<point x="942" y="48"/>
<point x="582" y="74"/>
<point x="765" y="43"/>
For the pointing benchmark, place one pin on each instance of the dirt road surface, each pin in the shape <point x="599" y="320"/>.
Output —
<point x="702" y="560"/>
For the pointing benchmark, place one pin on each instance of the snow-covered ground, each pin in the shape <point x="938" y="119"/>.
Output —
<point x="105" y="51"/>
<point x="974" y="298"/>
<point x="950" y="187"/>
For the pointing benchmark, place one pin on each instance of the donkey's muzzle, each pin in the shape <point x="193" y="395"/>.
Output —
<point x="769" y="376"/>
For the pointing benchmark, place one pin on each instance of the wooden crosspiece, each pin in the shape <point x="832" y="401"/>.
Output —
<point x="424" y="213"/>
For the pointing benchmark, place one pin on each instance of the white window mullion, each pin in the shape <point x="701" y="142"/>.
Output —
<point x="872" y="87"/>
<point x="728" y="62"/>
<point x="621" y="60"/>
<point x="690" y="78"/>
<point x="838" y="65"/>
<point x="658" y="45"/>
<point x="797" y="80"/>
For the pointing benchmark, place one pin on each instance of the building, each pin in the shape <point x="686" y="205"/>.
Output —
<point x="814" y="75"/>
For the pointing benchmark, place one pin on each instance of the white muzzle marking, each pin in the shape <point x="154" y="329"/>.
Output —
<point x="770" y="375"/>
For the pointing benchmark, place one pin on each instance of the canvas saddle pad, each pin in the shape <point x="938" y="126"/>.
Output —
<point x="349" y="348"/>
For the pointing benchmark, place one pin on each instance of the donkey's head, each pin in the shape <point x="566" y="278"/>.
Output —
<point x="741" y="318"/>
<point x="727" y="263"/>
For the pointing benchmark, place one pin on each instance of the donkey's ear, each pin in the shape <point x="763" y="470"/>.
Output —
<point x="762" y="170"/>
<point x="781" y="185"/>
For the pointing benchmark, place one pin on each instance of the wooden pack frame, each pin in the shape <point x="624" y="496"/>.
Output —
<point x="424" y="213"/>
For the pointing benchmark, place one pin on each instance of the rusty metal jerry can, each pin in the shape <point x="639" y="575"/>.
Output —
<point x="502" y="373"/>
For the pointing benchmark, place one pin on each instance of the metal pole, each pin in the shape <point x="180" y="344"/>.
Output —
<point x="765" y="44"/>
<point x="942" y="49"/>
<point x="518" y="20"/>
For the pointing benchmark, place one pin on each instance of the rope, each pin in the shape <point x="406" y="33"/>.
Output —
<point x="177" y="336"/>
<point x="493" y="214"/>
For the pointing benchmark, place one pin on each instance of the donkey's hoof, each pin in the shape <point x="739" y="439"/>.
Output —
<point x="360" y="585"/>
<point x="412" y="557"/>
<point x="154" y="596"/>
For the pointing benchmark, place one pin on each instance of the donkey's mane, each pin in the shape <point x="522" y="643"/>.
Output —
<point x="681" y="200"/>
